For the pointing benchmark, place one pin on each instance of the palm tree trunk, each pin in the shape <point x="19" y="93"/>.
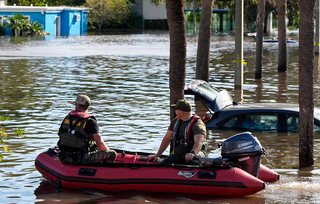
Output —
<point x="203" y="53"/>
<point x="99" y="27"/>
<point x="259" y="39"/>
<point x="194" y="17"/>
<point x="178" y="44"/>
<point x="282" y="35"/>
<point x="306" y="63"/>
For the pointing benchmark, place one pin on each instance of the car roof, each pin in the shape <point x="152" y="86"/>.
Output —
<point x="266" y="106"/>
<point x="269" y="107"/>
<point x="220" y="101"/>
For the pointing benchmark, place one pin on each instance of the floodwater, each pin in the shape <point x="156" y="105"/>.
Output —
<point x="126" y="76"/>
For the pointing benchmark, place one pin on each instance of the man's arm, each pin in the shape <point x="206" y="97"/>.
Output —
<point x="198" y="142"/>
<point x="100" y="143"/>
<point x="165" y="142"/>
<point x="163" y="146"/>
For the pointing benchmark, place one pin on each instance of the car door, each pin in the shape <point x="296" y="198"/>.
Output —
<point x="292" y="123"/>
<point x="252" y="122"/>
<point x="260" y="122"/>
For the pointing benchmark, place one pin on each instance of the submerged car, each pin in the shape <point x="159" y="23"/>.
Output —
<point x="226" y="114"/>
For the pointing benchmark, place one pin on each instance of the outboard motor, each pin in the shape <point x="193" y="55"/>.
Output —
<point x="244" y="149"/>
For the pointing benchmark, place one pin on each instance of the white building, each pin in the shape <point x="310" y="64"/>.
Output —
<point x="153" y="16"/>
<point x="3" y="2"/>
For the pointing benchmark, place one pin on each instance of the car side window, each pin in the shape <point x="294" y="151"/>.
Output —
<point x="260" y="122"/>
<point x="230" y="123"/>
<point x="316" y="128"/>
<point x="293" y="123"/>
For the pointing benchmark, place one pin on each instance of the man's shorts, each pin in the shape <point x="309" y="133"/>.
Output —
<point x="99" y="156"/>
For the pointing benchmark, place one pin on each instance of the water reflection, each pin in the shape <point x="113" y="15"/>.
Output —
<point x="126" y="77"/>
<point x="47" y="192"/>
<point x="317" y="69"/>
<point x="259" y="94"/>
<point x="238" y="95"/>
<point x="282" y="88"/>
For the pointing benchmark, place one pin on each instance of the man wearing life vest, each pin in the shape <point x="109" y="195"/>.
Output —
<point x="79" y="139"/>
<point x="186" y="134"/>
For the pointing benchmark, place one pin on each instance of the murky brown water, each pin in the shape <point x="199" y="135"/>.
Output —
<point x="126" y="77"/>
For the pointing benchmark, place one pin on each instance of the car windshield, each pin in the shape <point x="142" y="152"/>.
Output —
<point x="207" y="91"/>
<point x="317" y="119"/>
<point x="317" y="113"/>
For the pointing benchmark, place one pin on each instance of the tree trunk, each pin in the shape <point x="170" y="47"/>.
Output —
<point x="178" y="44"/>
<point x="99" y="27"/>
<point x="194" y="17"/>
<point x="203" y="53"/>
<point x="306" y="63"/>
<point x="259" y="40"/>
<point x="282" y="35"/>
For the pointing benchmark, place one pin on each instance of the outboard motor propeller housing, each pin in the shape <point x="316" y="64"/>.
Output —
<point x="245" y="149"/>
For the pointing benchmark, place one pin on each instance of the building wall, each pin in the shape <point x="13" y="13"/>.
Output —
<point x="70" y="26"/>
<point x="76" y="23"/>
<point x="152" y="12"/>
<point x="65" y="23"/>
<point x="138" y="7"/>
<point x="33" y="16"/>
<point x="3" y="2"/>
<point x="154" y="17"/>
<point x="50" y="23"/>
<point x="73" y="21"/>
<point x="148" y="11"/>
<point x="84" y="22"/>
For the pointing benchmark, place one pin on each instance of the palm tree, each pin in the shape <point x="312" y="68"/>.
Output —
<point x="178" y="50"/>
<point x="281" y="6"/>
<point x="306" y="63"/>
<point x="203" y="53"/>
<point x="259" y="39"/>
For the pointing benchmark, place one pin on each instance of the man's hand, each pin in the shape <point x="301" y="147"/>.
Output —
<point x="153" y="157"/>
<point x="189" y="156"/>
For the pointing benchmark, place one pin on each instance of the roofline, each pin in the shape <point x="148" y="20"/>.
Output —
<point x="213" y="10"/>
<point x="41" y="8"/>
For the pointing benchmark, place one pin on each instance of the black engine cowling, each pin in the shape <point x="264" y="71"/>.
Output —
<point x="245" y="149"/>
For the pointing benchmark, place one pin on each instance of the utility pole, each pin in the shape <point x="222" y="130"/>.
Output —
<point x="238" y="69"/>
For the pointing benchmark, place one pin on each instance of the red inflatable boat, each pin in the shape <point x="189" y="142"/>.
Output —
<point x="131" y="172"/>
<point x="128" y="176"/>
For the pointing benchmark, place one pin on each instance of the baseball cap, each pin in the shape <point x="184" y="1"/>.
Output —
<point x="83" y="100"/>
<point x="183" y="105"/>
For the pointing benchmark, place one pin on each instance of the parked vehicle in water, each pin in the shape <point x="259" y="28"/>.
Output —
<point x="226" y="114"/>
<point x="271" y="40"/>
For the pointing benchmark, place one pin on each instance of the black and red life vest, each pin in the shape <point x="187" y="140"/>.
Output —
<point x="72" y="133"/>
<point x="187" y="141"/>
